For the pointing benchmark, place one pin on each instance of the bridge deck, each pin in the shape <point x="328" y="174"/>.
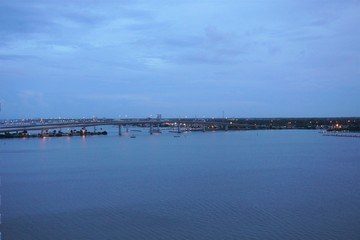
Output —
<point x="40" y="126"/>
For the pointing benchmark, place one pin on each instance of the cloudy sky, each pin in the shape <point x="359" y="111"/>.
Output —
<point x="243" y="58"/>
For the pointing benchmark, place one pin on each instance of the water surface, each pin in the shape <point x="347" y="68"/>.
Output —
<point x="213" y="185"/>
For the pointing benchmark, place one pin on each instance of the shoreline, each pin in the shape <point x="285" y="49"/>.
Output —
<point x="59" y="134"/>
<point x="85" y="133"/>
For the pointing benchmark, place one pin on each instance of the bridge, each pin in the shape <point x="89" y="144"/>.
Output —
<point x="152" y="123"/>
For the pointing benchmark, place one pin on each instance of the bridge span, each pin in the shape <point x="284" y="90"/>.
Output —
<point x="153" y="124"/>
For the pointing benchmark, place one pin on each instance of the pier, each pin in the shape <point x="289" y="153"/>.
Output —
<point x="341" y="134"/>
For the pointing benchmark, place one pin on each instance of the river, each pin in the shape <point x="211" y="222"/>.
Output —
<point x="285" y="184"/>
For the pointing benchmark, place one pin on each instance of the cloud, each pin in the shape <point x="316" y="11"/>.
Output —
<point x="32" y="98"/>
<point x="146" y="48"/>
<point x="114" y="97"/>
<point x="211" y="46"/>
<point x="214" y="35"/>
<point x="14" y="57"/>
<point x="54" y="21"/>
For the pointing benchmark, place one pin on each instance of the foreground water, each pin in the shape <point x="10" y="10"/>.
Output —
<point x="214" y="185"/>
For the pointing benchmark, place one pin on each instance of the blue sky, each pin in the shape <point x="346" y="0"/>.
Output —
<point x="199" y="58"/>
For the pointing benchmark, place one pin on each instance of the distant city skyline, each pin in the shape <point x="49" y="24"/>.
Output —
<point x="74" y="59"/>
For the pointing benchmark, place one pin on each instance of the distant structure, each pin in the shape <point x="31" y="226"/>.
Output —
<point x="21" y="127"/>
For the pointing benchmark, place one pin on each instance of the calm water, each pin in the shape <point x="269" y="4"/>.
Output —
<point x="223" y="185"/>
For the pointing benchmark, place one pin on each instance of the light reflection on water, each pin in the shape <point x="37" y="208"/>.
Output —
<point x="214" y="185"/>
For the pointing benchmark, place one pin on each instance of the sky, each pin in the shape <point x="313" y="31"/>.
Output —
<point x="204" y="58"/>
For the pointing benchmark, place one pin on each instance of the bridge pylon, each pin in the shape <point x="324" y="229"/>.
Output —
<point x="151" y="129"/>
